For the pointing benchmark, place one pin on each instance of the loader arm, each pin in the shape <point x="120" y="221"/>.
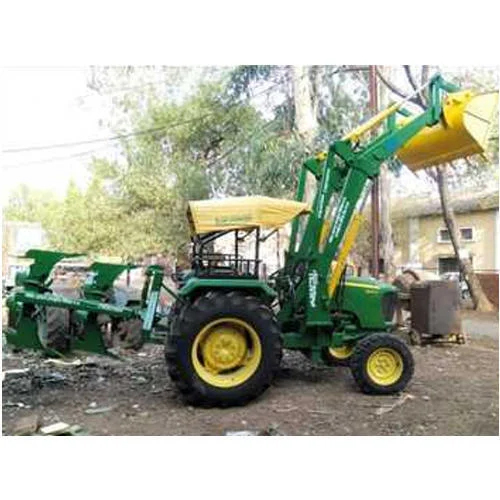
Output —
<point x="346" y="172"/>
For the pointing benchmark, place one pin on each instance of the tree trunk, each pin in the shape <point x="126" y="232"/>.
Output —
<point x="386" y="241"/>
<point x="305" y="119"/>
<point x="481" y="302"/>
<point x="386" y="237"/>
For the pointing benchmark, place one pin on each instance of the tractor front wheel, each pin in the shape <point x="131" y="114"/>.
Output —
<point x="338" y="356"/>
<point x="223" y="349"/>
<point x="381" y="364"/>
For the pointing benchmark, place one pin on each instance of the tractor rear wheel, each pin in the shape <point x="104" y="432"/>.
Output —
<point x="223" y="349"/>
<point x="381" y="364"/>
<point x="58" y="329"/>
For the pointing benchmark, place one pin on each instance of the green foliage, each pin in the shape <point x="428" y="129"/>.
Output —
<point x="28" y="205"/>
<point x="212" y="139"/>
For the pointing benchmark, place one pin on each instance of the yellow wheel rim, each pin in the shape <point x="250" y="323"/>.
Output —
<point x="343" y="352"/>
<point x="384" y="366"/>
<point x="226" y="352"/>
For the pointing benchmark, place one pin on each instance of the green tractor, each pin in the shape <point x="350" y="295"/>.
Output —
<point x="227" y="327"/>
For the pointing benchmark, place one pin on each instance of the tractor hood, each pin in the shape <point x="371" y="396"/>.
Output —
<point x="245" y="212"/>
<point x="368" y="283"/>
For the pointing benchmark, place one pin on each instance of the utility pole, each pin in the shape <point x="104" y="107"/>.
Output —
<point x="373" y="93"/>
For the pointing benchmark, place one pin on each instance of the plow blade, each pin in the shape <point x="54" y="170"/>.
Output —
<point x="462" y="131"/>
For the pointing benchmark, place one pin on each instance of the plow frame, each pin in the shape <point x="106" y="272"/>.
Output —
<point x="28" y="303"/>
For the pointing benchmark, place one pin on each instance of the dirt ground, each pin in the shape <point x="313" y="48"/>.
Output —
<point x="454" y="392"/>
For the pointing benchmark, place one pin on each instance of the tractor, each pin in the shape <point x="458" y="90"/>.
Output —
<point x="227" y="326"/>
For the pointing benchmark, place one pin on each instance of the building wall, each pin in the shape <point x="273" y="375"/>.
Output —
<point x="400" y="233"/>
<point x="17" y="238"/>
<point x="423" y="236"/>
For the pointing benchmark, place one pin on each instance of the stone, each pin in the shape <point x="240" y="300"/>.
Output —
<point x="54" y="377"/>
<point x="77" y="430"/>
<point x="27" y="426"/>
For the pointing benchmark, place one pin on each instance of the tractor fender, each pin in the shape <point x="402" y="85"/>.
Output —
<point x="193" y="287"/>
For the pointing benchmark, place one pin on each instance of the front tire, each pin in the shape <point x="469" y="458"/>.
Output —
<point x="223" y="349"/>
<point x="338" y="356"/>
<point x="381" y="364"/>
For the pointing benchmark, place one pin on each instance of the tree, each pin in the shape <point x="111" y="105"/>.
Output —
<point x="208" y="144"/>
<point x="306" y="123"/>
<point x="234" y="134"/>
<point x="479" y="298"/>
<point x="25" y="204"/>
<point x="386" y="237"/>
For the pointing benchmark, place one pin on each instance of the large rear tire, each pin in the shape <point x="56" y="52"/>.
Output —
<point x="58" y="329"/>
<point x="381" y="364"/>
<point x="223" y="349"/>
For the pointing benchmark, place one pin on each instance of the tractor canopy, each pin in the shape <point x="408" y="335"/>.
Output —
<point x="462" y="131"/>
<point x="245" y="212"/>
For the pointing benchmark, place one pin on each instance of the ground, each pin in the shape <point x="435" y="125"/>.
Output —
<point x="454" y="392"/>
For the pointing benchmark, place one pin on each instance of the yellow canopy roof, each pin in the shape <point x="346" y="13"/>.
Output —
<point x="244" y="212"/>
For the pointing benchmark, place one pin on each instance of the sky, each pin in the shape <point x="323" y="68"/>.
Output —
<point x="47" y="106"/>
<point x="51" y="106"/>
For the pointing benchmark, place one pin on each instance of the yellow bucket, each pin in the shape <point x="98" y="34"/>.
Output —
<point x="462" y="131"/>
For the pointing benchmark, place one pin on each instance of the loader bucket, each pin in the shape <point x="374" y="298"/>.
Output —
<point x="462" y="131"/>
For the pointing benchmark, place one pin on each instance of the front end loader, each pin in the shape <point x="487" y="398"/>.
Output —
<point x="227" y="325"/>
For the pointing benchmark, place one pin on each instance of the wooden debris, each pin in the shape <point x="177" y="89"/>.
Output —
<point x="55" y="429"/>
<point x="60" y="362"/>
<point x="14" y="372"/>
<point x="386" y="409"/>
<point x="320" y="412"/>
<point x="95" y="411"/>
<point x="285" y="410"/>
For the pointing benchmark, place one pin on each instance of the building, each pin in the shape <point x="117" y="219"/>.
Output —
<point x="17" y="238"/>
<point x="421" y="240"/>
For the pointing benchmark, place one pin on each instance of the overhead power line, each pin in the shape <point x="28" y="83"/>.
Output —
<point x="58" y="158"/>
<point x="131" y="134"/>
<point x="117" y="137"/>
<point x="105" y="139"/>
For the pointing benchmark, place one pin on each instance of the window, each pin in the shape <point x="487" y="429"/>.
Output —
<point x="443" y="235"/>
<point x="466" y="234"/>
<point x="449" y="265"/>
